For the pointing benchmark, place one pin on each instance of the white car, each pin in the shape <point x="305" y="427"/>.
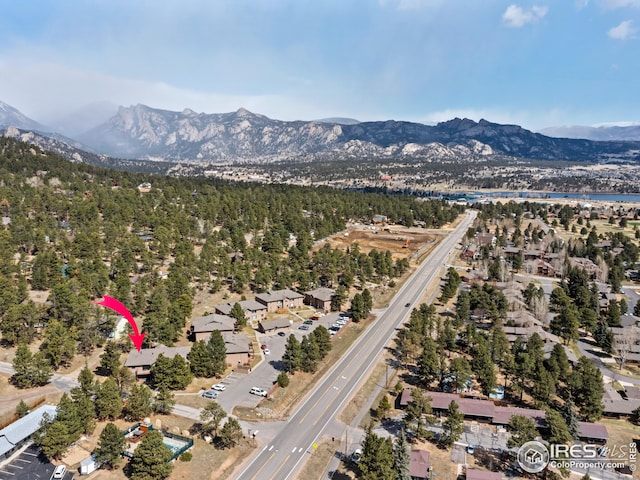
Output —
<point x="266" y="351"/>
<point x="258" y="391"/>
<point x="342" y="321"/>
<point x="219" y="387"/>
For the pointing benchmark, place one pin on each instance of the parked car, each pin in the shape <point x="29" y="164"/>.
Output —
<point x="342" y="321"/>
<point x="356" y="456"/>
<point x="282" y="334"/>
<point x="336" y="326"/>
<point x="59" y="472"/>
<point x="209" y="394"/>
<point x="304" y="327"/>
<point x="258" y="391"/>
<point x="407" y="304"/>
<point x="308" y="322"/>
<point x="470" y="449"/>
<point x="219" y="387"/>
<point x="266" y="351"/>
<point x="263" y="346"/>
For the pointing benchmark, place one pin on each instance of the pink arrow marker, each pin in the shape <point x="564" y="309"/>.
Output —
<point x="118" y="307"/>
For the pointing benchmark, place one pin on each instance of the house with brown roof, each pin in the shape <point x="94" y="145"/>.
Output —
<point x="201" y="327"/>
<point x="279" y="299"/>
<point x="485" y="238"/>
<point x="140" y="362"/>
<point x="239" y="348"/>
<point x="419" y="465"/>
<point x="265" y="326"/>
<point x="593" y="433"/>
<point x="320" y="298"/>
<point x="253" y="311"/>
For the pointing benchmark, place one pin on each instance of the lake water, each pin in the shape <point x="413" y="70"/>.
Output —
<point x="604" y="197"/>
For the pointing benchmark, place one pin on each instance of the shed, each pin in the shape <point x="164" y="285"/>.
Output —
<point x="89" y="465"/>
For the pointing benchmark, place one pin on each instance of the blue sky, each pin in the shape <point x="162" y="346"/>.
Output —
<point x="541" y="63"/>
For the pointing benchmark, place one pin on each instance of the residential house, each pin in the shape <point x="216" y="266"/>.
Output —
<point x="239" y="348"/>
<point x="471" y="252"/>
<point x="279" y="299"/>
<point x="419" y="465"/>
<point x="17" y="434"/>
<point x="485" y="238"/>
<point x="320" y="298"/>
<point x="617" y="406"/>
<point x="140" y="362"/>
<point x="266" y="326"/>
<point x="593" y="433"/>
<point x="201" y="327"/>
<point x="253" y="311"/>
<point x="474" y="408"/>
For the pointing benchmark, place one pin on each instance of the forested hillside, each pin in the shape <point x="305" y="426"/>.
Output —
<point x="80" y="232"/>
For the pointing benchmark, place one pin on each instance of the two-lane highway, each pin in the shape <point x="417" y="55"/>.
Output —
<point x="280" y="458"/>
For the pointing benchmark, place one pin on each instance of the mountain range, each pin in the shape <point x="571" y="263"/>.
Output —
<point x="145" y="133"/>
<point x="630" y="132"/>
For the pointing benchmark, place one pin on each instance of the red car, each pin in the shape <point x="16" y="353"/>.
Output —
<point x="263" y="346"/>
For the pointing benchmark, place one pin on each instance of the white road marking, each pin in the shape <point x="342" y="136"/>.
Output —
<point x="294" y="450"/>
<point x="300" y="450"/>
<point x="335" y="388"/>
<point x="270" y="448"/>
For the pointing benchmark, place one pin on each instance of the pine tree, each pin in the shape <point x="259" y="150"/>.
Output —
<point x="338" y="298"/>
<point x="452" y="427"/>
<point x="211" y="416"/>
<point x="56" y="440"/>
<point x="238" y="313"/>
<point x="417" y="414"/>
<point x="231" y="433"/>
<point x="182" y="375"/>
<point x="429" y="362"/>
<point x="357" y="308"/>
<point x="322" y="339"/>
<point x="87" y="387"/>
<point x="383" y="407"/>
<point x="22" y="367"/>
<point x="292" y="356"/>
<point x="110" y="359"/>
<point x="570" y="416"/>
<point x="139" y="404"/>
<point x="162" y="373"/>
<point x="151" y="459"/>
<point x="218" y="353"/>
<point x="164" y="402"/>
<point x="22" y="409"/>
<point x="376" y="462"/>
<point x="200" y="360"/>
<point x="558" y="431"/>
<point x="111" y="447"/>
<point x="523" y="430"/>
<point x="367" y="301"/>
<point x="401" y="457"/>
<point x="310" y="354"/>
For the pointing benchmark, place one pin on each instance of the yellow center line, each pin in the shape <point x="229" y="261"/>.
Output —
<point x="264" y="465"/>
<point x="275" y="475"/>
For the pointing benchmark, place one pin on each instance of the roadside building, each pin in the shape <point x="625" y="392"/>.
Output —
<point x="239" y="348"/>
<point x="279" y="299"/>
<point x="141" y="362"/>
<point x="253" y="311"/>
<point x="593" y="433"/>
<point x="419" y="465"/>
<point x="320" y="298"/>
<point x="279" y="324"/>
<point x="201" y="327"/>
<point x="17" y="434"/>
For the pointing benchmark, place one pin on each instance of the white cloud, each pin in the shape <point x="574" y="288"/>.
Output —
<point x="580" y="4"/>
<point x="623" y="31"/>
<point x="516" y="16"/>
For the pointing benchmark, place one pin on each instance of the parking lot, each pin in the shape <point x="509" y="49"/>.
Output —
<point x="30" y="465"/>
<point x="265" y="374"/>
